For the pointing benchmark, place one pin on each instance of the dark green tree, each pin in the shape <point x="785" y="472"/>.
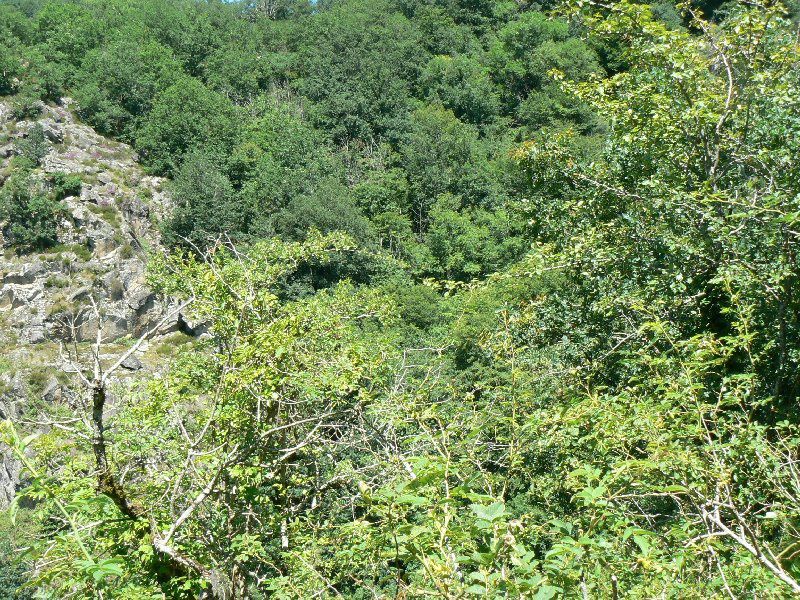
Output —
<point x="206" y="207"/>
<point x="186" y="116"/>
<point x="357" y="63"/>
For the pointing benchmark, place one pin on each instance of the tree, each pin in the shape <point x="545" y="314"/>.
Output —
<point x="31" y="216"/>
<point x="525" y="52"/>
<point x="268" y="412"/>
<point x="570" y="370"/>
<point x="118" y="83"/>
<point x="206" y="206"/>
<point x="356" y="64"/>
<point x="67" y="31"/>
<point x="186" y="116"/>
<point x="462" y="85"/>
<point x="440" y="154"/>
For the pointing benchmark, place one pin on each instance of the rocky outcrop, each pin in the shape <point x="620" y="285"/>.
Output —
<point x="103" y="237"/>
<point x="48" y="298"/>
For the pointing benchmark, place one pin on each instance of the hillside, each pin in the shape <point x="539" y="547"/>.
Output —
<point x="399" y="299"/>
<point x="103" y="235"/>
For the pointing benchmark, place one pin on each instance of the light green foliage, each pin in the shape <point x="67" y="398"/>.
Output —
<point x="288" y="381"/>
<point x="672" y="271"/>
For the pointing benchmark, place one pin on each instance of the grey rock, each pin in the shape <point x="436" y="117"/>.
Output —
<point x="25" y="296"/>
<point x="52" y="390"/>
<point x="52" y="131"/>
<point x="191" y="327"/>
<point x="80" y="294"/>
<point x="43" y="298"/>
<point x="36" y="334"/>
<point x="134" y="208"/>
<point x="6" y="298"/>
<point x="9" y="478"/>
<point x="25" y="277"/>
<point x="132" y="364"/>
<point x="142" y="301"/>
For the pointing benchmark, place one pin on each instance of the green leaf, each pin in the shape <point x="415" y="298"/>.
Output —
<point x="412" y="500"/>
<point x="489" y="513"/>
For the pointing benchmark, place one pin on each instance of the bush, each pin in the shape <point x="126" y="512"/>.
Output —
<point x="65" y="185"/>
<point x="12" y="572"/>
<point x="32" y="218"/>
<point x="33" y="148"/>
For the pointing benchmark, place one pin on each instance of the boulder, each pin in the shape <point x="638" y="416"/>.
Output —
<point x="26" y="276"/>
<point x="52" y="131"/>
<point x="132" y="364"/>
<point x="52" y="390"/>
<point x="9" y="478"/>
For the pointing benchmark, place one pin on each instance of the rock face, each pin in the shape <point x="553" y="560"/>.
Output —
<point x="48" y="298"/>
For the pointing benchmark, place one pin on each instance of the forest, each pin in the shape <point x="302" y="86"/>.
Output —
<point x="502" y="298"/>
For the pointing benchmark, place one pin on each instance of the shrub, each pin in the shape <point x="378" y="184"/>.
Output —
<point x="32" y="218"/>
<point x="116" y="290"/>
<point x="65" y="185"/>
<point x="34" y="146"/>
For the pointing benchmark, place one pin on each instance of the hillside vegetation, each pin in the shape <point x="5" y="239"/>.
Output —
<point x="491" y="299"/>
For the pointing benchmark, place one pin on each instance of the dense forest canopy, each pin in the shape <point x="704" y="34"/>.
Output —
<point x="502" y="297"/>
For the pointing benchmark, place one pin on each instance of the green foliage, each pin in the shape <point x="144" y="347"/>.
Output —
<point x="205" y="205"/>
<point x="31" y="217"/>
<point x="33" y="147"/>
<point x="119" y="82"/>
<point x="67" y="31"/>
<point x="65" y="185"/>
<point x="237" y="72"/>
<point x="279" y="157"/>
<point x="442" y="155"/>
<point x="356" y="64"/>
<point x="464" y="86"/>
<point x="432" y="367"/>
<point x="469" y="244"/>
<point x="9" y="69"/>
<point x="13" y="575"/>
<point x="186" y="116"/>
<point x="328" y="209"/>
<point x="525" y="52"/>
